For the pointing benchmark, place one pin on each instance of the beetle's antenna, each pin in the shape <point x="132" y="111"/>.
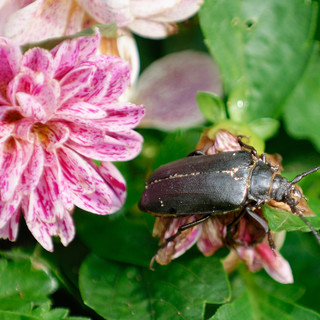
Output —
<point x="302" y="175"/>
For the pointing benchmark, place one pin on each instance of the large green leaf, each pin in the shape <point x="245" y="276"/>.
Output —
<point x="24" y="290"/>
<point x="177" y="291"/>
<point x="23" y="285"/>
<point x="261" y="47"/>
<point x="260" y="298"/>
<point x="302" y="111"/>
<point x="259" y="305"/>
<point x="117" y="238"/>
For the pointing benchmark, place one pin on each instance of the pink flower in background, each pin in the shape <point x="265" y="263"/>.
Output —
<point x="169" y="86"/>
<point x="59" y="109"/>
<point x="27" y="20"/>
<point x="35" y="20"/>
<point x="249" y="241"/>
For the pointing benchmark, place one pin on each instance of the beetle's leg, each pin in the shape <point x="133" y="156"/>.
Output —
<point x="251" y="148"/>
<point x="196" y="153"/>
<point x="229" y="237"/>
<point x="180" y="229"/>
<point x="263" y="224"/>
<point x="185" y="227"/>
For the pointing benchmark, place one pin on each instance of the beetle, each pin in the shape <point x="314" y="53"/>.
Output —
<point x="219" y="184"/>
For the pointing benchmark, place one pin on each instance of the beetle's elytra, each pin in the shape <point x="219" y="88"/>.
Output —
<point x="219" y="184"/>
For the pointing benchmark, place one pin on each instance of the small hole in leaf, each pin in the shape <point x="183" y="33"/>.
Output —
<point x="250" y="24"/>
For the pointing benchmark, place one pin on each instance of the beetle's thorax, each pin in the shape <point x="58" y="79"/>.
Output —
<point x="261" y="182"/>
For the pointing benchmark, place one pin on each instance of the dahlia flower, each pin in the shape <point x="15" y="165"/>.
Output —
<point x="249" y="241"/>
<point x="59" y="110"/>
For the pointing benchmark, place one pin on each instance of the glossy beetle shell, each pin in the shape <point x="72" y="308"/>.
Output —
<point x="205" y="184"/>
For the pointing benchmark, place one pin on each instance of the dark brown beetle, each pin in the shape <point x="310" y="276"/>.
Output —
<point x="218" y="184"/>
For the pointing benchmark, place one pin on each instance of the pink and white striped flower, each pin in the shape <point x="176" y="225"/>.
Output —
<point x="59" y="110"/>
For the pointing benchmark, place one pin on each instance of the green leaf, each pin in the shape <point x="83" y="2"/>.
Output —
<point x="281" y="220"/>
<point x="177" y="145"/>
<point x="18" y="282"/>
<point x="262" y="48"/>
<point x="302" y="251"/>
<point x="26" y="283"/>
<point x="211" y="106"/>
<point x="177" y="291"/>
<point x="107" y="30"/>
<point x="257" y="304"/>
<point x="117" y="238"/>
<point x="302" y="112"/>
<point x="265" y="128"/>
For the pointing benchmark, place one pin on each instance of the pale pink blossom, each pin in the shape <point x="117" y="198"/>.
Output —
<point x="169" y="86"/>
<point x="249" y="241"/>
<point x="35" y="20"/>
<point x="58" y="111"/>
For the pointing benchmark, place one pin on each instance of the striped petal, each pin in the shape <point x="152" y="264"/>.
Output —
<point x="75" y="171"/>
<point x="116" y="183"/>
<point x="8" y="210"/>
<point x="14" y="158"/>
<point x="38" y="60"/>
<point x="120" y="146"/>
<point x="79" y="111"/>
<point x="33" y="171"/>
<point x="10" y="229"/>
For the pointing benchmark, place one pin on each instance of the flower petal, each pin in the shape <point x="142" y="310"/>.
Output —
<point x="10" y="229"/>
<point x="76" y="171"/>
<point x="14" y="158"/>
<point x="117" y="11"/>
<point x="30" y="107"/>
<point x="23" y="129"/>
<point x="169" y="105"/>
<point x="165" y="228"/>
<point x="38" y="60"/>
<point x="111" y="79"/>
<point x="10" y="56"/>
<point x="116" y="183"/>
<point x="120" y="146"/>
<point x="211" y="238"/>
<point x="179" y="11"/>
<point x="66" y="228"/>
<point x="38" y="228"/>
<point x="8" y="210"/>
<point x="70" y="53"/>
<point x="225" y="141"/>
<point x="276" y="266"/>
<point x="57" y="134"/>
<point x="145" y="8"/>
<point x="76" y="81"/>
<point x="80" y="110"/>
<point x="33" y="171"/>
<point x="86" y="136"/>
<point x="39" y="20"/>
<point x="152" y="29"/>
